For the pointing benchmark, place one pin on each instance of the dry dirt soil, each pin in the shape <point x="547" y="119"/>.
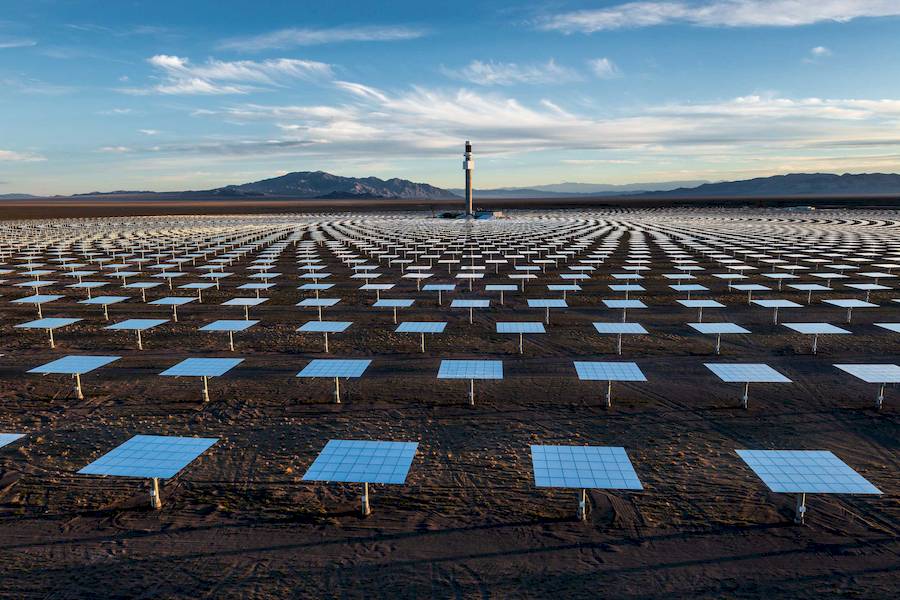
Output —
<point x="469" y="523"/>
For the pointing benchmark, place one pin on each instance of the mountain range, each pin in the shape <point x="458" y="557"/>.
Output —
<point x="319" y="185"/>
<point x="795" y="184"/>
<point x="559" y="190"/>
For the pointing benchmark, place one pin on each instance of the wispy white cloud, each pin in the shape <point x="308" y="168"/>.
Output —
<point x="363" y="91"/>
<point x="114" y="149"/>
<point x="423" y="121"/>
<point x="717" y="13"/>
<point x="817" y="54"/>
<point x="125" y="31"/>
<point x="149" y="131"/>
<point x="6" y="42"/>
<point x="88" y="28"/>
<point x="774" y="107"/>
<point x="265" y="72"/>
<point x="727" y="139"/>
<point x="508" y="73"/>
<point x="35" y="86"/>
<point x="180" y="76"/>
<point x="189" y="87"/>
<point x="293" y="37"/>
<point x="13" y="156"/>
<point x="116" y="111"/>
<point x="603" y="68"/>
<point x="79" y="53"/>
<point x="591" y="162"/>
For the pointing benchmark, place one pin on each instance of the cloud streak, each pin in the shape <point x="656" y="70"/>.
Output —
<point x="114" y="149"/>
<point x="717" y="13"/>
<point x="818" y="53"/>
<point x="35" y="87"/>
<point x="181" y="77"/>
<point x="294" y="37"/>
<point x="603" y="68"/>
<point x="16" y="43"/>
<point x="13" y="156"/>
<point x="431" y="122"/>
<point x="507" y="73"/>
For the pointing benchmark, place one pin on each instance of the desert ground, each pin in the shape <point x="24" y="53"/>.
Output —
<point x="239" y="522"/>
<point x="136" y="204"/>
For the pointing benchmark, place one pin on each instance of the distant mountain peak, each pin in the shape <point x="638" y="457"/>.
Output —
<point x="319" y="184"/>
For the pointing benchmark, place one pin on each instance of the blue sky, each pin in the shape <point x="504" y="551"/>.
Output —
<point x="99" y="95"/>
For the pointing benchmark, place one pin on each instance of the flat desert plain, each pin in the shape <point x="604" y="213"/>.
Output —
<point x="240" y="522"/>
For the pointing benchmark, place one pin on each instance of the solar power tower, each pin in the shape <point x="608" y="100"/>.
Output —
<point x="804" y="472"/>
<point x="152" y="457"/>
<point x="363" y="461"/>
<point x="583" y="468"/>
<point x="76" y="366"/>
<point x="609" y="372"/>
